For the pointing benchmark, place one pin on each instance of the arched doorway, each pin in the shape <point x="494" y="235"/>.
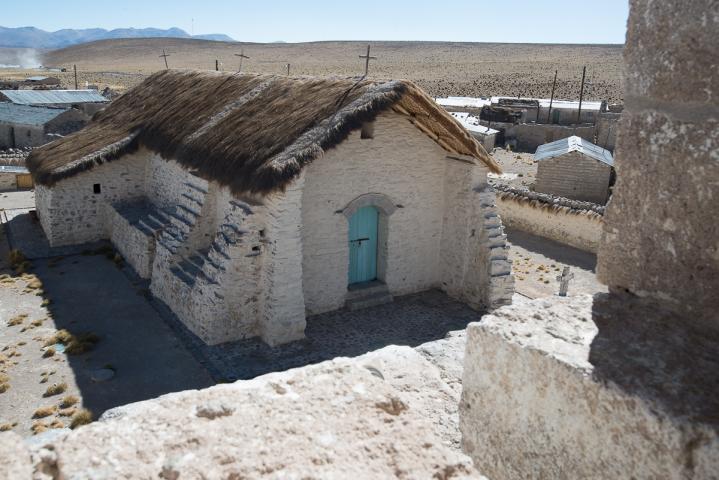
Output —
<point x="363" y="233"/>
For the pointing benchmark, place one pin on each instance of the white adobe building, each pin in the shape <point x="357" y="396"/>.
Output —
<point x="252" y="202"/>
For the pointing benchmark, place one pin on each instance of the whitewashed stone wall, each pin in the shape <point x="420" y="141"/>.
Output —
<point x="433" y="194"/>
<point x="580" y="229"/>
<point x="399" y="162"/>
<point x="72" y="214"/>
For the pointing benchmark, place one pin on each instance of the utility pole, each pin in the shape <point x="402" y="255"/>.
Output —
<point x="165" y="55"/>
<point x="551" y="99"/>
<point x="74" y="67"/>
<point x="581" y="94"/>
<point x="367" y="59"/>
<point x="242" y="56"/>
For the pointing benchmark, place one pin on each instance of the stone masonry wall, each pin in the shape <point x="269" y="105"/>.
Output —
<point x="661" y="225"/>
<point x="400" y="162"/>
<point x="8" y="181"/>
<point x="574" y="175"/>
<point x="72" y="214"/>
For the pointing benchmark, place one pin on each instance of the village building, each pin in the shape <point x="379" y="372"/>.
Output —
<point x="41" y="81"/>
<point x="89" y="101"/>
<point x="574" y="168"/>
<point x="484" y="135"/>
<point x="526" y="123"/>
<point x="251" y="202"/>
<point x="30" y="126"/>
<point x="14" y="177"/>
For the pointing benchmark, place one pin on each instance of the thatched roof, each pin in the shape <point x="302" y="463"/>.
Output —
<point x="253" y="133"/>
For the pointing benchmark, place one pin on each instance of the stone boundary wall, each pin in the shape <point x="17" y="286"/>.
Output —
<point x="572" y="222"/>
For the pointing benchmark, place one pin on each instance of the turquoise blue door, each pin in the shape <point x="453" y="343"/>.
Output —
<point x="363" y="245"/>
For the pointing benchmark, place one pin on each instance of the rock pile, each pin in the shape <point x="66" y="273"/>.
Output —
<point x="506" y="192"/>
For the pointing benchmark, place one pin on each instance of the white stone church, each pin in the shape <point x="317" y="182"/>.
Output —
<point x="251" y="202"/>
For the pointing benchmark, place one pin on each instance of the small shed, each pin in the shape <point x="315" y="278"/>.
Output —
<point x="30" y="126"/>
<point x="484" y="135"/>
<point x="89" y="101"/>
<point x="574" y="168"/>
<point x="14" y="177"/>
<point x="40" y="80"/>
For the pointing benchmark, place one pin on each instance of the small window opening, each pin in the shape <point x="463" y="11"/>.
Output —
<point x="262" y="233"/>
<point x="256" y="248"/>
<point x="96" y="188"/>
<point x="367" y="130"/>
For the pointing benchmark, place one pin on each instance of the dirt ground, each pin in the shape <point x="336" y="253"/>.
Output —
<point x="441" y="68"/>
<point x="518" y="169"/>
<point x="88" y="296"/>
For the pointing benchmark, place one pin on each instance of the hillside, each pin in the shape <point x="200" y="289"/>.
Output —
<point x="31" y="37"/>
<point x="442" y="68"/>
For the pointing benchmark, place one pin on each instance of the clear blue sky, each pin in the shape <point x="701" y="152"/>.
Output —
<point x="533" y="21"/>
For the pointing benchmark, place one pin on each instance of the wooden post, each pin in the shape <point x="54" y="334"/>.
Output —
<point x="563" y="280"/>
<point x="367" y="59"/>
<point x="74" y="67"/>
<point x="288" y="69"/>
<point x="551" y="99"/>
<point x="217" y="65"/>
<point x="581" y="95"/>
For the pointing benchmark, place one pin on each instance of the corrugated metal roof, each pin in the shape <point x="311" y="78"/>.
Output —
<point x="12" y="169"/>
<point x="464" y="102"/>
<point x="50" y="97"/>
<point x="36" y="78"/>
<point x="28" y="114"/>
<point x="573" y="144"/>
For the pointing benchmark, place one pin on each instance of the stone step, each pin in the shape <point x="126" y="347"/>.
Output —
<point x="366" y="289"/>
<point x="373" y="300"/>
<point x="150" y="224"/>
<point x="183" y="276"/>
<point x="188" y="211"/>
<point x="194" y="200"/>
<point x="196" y="188"/>
<point x="158" y="216"/>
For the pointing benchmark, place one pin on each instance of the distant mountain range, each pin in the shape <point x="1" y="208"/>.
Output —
<point x="31" y="37"/>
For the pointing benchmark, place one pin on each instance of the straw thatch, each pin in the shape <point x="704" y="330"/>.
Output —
<point x="250" y="132"/>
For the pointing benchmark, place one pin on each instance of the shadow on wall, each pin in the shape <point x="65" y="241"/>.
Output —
<point x="650" y="354"/>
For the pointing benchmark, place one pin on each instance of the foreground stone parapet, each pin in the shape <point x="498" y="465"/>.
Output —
<point x="590" y="388"/>
<point x="370" y="417"/>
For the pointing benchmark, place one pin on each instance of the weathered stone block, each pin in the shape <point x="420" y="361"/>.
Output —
<point x="346" y="418"/>
<point x="671" y="51"/>
<point x="581" y="388"/>
<point x="661" y="228"/>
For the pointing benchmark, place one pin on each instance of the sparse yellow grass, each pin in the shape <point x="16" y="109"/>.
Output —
<point x="4" y="378"/>
<point x="82" y="417"/>
<point x="55" y="389"/>
<point x="67" y="412"/>
<point x="61" y="336"/>
<point x="57" y="424"/>
<point x="82" y="343"/>
<point x="38" y="427"/>
<point x="37" y="323"/>
<point x="69" y="401"/>
<point x="43" y="412"/>
<point x="7" y="426"/>
<point x="49" y="352"/>
<point x="17" y="320"/>
<point x="45" y="302"/>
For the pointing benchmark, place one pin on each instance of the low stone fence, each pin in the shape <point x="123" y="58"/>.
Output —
<point x="572" y="222"/>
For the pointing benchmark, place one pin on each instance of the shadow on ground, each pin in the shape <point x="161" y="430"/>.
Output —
<point x="549" y="248"/>
<point x="89" y="294"/>
<point x="410" y="320"/>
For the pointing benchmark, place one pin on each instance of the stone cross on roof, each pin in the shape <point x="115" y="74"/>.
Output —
<point x="367" y="59"/>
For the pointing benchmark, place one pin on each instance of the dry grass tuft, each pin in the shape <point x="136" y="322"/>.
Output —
<point x="37" y="323"/>
<point x="45" y="302"/>
<point x="38" y="427"/>
<point x="17" y="320"/>
<point x="55" y="389"/>
<point x="16" y="257"/>
<point x="6" y="427"/>
<point x="4" y="387"/>
<point x="49" y="352"/>
<point x="82" y="417"/>
<point x="67" y="412"/>
<point x="69" y="401"/>
<point x="82" y="343"/>
<point x="4" y="378"/>
<point x="43" y="412"/>
<point x="61" y="336"/>
<point x="57" y="424"/>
